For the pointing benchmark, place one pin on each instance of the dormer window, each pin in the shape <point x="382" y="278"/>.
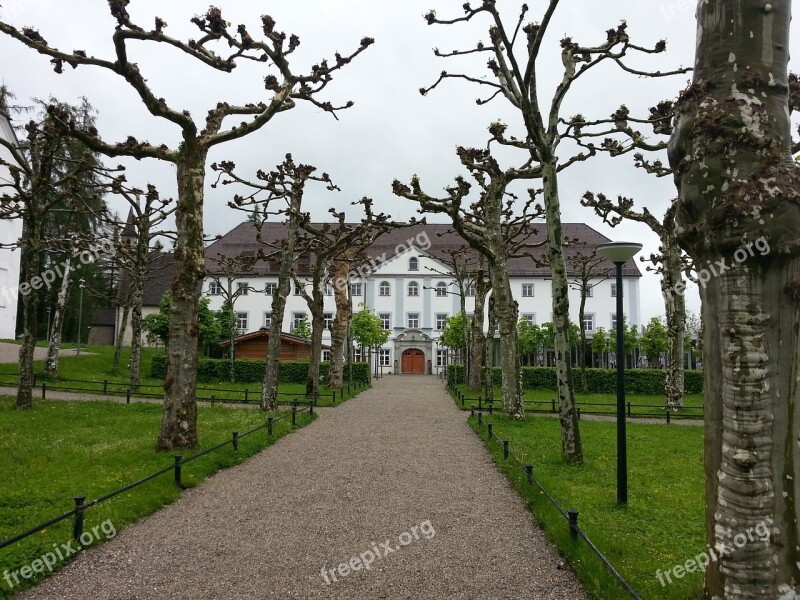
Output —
<point x="413" y="264"/>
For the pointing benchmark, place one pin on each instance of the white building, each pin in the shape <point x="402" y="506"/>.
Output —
<point x="10" y="231"/>
<point x="413" y="300"/>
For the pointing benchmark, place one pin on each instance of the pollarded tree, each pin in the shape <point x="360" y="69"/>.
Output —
<point x="328" y="242"/>
<point x="670" y="263"/>
<point x="514" y="56"/>
<point x="179" y="426"/>
<point x="278" y="193"/>
<point x="739" y="185"/>
<point x="483" y="284"/>
<point x="490" y="225"/>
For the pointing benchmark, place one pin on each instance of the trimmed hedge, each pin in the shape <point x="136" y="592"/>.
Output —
<point x="214" y="370"/>
<point x="599" y="381"/>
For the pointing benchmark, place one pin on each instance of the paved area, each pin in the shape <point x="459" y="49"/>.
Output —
<point x="394" y="477"/>
<point x="9" y="353"/>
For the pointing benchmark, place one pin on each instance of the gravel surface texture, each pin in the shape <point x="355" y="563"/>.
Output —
<point x="396" y="465"/>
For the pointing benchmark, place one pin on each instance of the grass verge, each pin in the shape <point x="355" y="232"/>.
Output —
<point x="62" y="449"/>
<point x="662" y="525"/>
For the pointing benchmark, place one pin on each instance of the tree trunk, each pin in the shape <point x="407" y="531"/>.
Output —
<point x="507" y="313"/>
<point x="51" y="362"/>
<point x="571" y="446"/>
<point x="738" y="203"/>
<point x="269" y="391"/>
<point x="136" y="300"/>
<point x="341" y="323"/>
<point x="31" y="266"/>
<point x="478" y="339"/>
<point x="126" y="309"/>
<point x="179" y="425"/>
<point x="317" y="308"/>
<point x="675" y="306"/>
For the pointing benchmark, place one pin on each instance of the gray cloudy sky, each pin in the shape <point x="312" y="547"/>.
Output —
<point x="392" y="131"/>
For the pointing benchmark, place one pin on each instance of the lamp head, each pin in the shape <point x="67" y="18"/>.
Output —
<point x="619" y="252"/>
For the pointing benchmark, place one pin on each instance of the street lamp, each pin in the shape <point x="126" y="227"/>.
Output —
<point x="81" y="285"/>
<point x="619" y="253"/>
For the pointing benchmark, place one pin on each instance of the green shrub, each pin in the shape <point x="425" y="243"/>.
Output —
<point x="211" y="370"/>
<point x="599" y="381"/>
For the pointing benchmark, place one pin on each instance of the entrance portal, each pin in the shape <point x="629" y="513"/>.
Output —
<point x="413" y="362"/>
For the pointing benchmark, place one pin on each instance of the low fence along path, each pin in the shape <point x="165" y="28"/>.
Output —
<point x="390" y="495"/>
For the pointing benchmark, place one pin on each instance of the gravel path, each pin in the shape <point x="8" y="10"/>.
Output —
<point x="9" y="353"/>
<point x="373" y="471"/>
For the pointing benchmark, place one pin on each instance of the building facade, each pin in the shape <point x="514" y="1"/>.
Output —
<point x="10" y="231"/>
<point x="407" y="284"/>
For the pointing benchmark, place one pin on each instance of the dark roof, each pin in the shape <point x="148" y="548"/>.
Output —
<point x="242" y="241"/>
<point x="264" y="332"/>
<point x="157" y="281"/>
<point x="103" y="317"/>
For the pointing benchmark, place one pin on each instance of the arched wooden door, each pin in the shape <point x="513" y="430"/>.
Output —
<point x="413" y="362"/>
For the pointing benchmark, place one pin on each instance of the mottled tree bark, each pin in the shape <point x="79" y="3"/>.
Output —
<point x="31" y="266"/>
<point x="179" y="424"/>
<point x="53" y="348"/>
<point x="507" y="313"/>
<point x="123" y="325"/>
<point x="739" y="189"/>
<point x="269" y="391"/>
<point x="136" y="299"/>
<point x="341" y="323"/>
<point x="317" y="308"/>
<point x="571" y="446"/>
<point x="482" y="286"/>
<point x="675" y="308"/>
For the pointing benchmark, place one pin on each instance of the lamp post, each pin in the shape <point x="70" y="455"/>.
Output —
<point x="619" y="253"/>
<point x="81" y="285"/>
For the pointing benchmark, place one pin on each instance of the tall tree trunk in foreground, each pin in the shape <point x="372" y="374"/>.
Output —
<point x="30" y="261"/>
<point x="341" y="322"/>
<point x="507" y="313"/>
<point x="179" y="425"/>
<point x="53" y="348"/>
<point x="317" y="308"/>
<point x="571" y="446"/>
<point x="136" y="298"/>
<point x="739" y="203"/>
<point x="482" y="286"/>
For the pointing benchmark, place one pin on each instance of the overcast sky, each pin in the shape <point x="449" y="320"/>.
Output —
<point x="392" y="131"/>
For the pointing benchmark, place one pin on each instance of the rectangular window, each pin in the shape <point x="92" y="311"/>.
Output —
<point x="613" y="290"/>
<point x="328" y="320"/>
<point x="441" y="289"/>
<point x="471" y="291"/>
<point x="441" y="358"/>
<point x="385" y="357"/>
<point x="297" y="318"/>
<point x="413" y="320"/>
<point x="267" y="319"/>
<point x="441" y="321"/>
<point x="530" y="318"/>
<point x="296" y="290"/>
<point x="326" y="356"/>
<point x="386" y="320"/>
<point x="270" y="289"/>
<point x="242" y="288"/>
<point x="355" y="289"/>
<point x="527" y="290"/>
<point x="589" y="292"/>
<point x="588" y="322"/>
<point x="328" y="289"/>
<point x="215" y="288"/>
<point x="241" y="321"/>
<point x="357" y="355"/>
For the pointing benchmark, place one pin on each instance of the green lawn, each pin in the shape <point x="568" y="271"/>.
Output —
<point x="663" y="523"/>
<point x="62" y="449"/>
<point x="543" y="400"/>
<point x="95" y="366"/>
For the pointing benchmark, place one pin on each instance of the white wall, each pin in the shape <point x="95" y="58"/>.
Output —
<point x="10" y="231"/>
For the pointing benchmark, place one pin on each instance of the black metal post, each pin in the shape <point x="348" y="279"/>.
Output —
<point x="246" y="392"/>
<point x="505" y="449"/>
<point x="529" y="473"/>
<point x="105" y="386"/>
<point x="573" y="523"/>
<point x="178" y="459"/>
<point x="44" y="389"/>
<point x="77" y="527"/>
<point x="269" y="426"/>
<point x="622" y="442"/>
<point x="235" y="440"/>
<point x="480" y="418"/>
<point x="489" y="430"/>
<point x="294" y="414"/>
<point x="128" y="396"/>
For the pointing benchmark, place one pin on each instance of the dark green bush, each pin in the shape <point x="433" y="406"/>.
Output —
<point x="212" y="370"/>
<point x="600" y="381"/>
